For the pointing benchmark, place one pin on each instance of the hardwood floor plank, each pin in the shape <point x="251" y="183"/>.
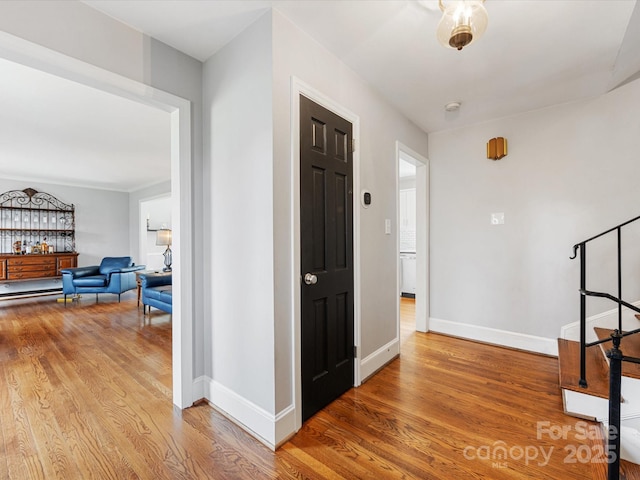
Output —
<point x="91" y="444"/>
<point x="300" y="462"/>
<point x="37" y="411"/>
<point x="23" y="460"/>
<point x="87" y="394"/>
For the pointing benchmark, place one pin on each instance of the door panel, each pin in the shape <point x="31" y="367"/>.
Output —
<point x="319" y="213"/>
<point x="326" y="231"/>
<point x="342" y="200"/>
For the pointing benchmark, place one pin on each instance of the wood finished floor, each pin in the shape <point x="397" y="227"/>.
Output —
<point x="86" y="393"/>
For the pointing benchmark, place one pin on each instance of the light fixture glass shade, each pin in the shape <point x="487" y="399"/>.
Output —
<point x="163" y="237"/>
<point x="462" y="22"/>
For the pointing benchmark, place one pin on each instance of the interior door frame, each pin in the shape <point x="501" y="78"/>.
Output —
<point x="298" y="87"/>
<point x="21" y="51"/>
<point x="422" y="237"/>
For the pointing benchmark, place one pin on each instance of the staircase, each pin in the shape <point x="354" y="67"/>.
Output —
<point x="585" y="373"/>
<point x="592" y="402"/>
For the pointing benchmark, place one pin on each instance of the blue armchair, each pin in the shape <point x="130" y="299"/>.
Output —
<point x="156" y="291"/>
<point x="113" y="275"/>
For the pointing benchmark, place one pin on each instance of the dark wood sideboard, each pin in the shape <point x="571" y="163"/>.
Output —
<point x="35" y="266"/>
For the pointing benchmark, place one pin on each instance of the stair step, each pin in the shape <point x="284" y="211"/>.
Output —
<point x="630" y="347"/>
<point x="599" y="470"/>
<point x="629" y="471"/>
<point x="569" y="365"/>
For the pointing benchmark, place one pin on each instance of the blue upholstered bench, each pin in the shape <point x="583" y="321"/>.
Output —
<point x="156" y="291"/>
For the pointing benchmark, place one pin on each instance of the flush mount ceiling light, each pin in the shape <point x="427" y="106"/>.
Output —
<point x="452" y="106"/>
<point x="462" y="22"/>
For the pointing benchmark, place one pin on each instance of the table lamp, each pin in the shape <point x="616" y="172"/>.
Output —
<point x="163" y="237"/>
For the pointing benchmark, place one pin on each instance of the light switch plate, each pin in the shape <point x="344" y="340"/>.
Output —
<point x="387" y="226"/>
<point x="497" y="218"/>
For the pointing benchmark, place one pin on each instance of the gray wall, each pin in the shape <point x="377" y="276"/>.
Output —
<point x="239" y="153"/>
<point x="297" y="54"/>
<point x="571" y="172"/>
<point x="249" y="162"/>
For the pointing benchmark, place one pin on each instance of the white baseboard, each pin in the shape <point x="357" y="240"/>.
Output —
<point x="505" y="338"/>
<point x="378" y="359"/>
<point x="200" y="387"/>
<point x="271" y="430"/>
<point x="285" y="425"/>
<point x="608" y="319"/>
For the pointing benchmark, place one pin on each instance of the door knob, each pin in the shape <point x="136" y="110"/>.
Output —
<point x="310" y="279"/>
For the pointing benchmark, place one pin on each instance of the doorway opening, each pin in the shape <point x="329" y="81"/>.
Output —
<point x="412" y="188"/>
<point x="41" y="58"/>
<point x="155" y="214"/>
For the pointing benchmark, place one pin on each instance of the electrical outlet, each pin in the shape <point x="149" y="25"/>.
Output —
<point x="497" y="218"/>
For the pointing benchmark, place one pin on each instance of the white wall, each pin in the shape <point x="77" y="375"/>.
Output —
<point x="155" y="214"/>
<point x="407" y="182"/>
<point x="238" y="148"/>
<point x="571" y="173"/>
<point x="79" y="31"/>
<point x="138" y="219"/>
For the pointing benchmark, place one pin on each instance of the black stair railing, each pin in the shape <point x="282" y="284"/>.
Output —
<point x="615" y="354"/>
<point x="614" y="431"/>
<point x="584" y="293"/>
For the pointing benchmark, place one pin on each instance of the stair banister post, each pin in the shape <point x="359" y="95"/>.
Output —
<point x="615" y="385"/>
<point x="619" y="278"/>
<point x="583" y="317"/>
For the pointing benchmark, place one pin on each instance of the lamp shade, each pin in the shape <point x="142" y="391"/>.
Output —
<point x="163" y="237"/>
<point x="462" y="22"/>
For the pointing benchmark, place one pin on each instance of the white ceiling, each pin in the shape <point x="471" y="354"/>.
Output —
<point x="57" y="131"/>
<point x="533" y="55"/>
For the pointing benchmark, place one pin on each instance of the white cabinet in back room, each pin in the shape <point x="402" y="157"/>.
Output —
<point x="407" y="223"/>
<point x="408" y="274"/>
<point x="408" y="220"/>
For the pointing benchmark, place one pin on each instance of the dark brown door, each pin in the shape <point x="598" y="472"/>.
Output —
<point x="326" y="224"/>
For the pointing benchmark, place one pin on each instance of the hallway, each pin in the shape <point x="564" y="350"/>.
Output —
<point x="88" y="394"/>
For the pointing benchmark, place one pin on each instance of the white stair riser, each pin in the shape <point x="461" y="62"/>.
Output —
<point x="629" y="439"/>
<point x="583" y="405"/>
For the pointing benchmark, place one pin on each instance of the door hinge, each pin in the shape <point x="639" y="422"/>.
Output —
<point x="355" y="351"/>
<point x="353" y="145"/>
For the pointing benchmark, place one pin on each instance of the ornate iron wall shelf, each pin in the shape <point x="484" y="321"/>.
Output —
<point x="29" y="218"/>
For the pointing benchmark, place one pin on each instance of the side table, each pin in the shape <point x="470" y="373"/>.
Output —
<point x="139" y="282"/>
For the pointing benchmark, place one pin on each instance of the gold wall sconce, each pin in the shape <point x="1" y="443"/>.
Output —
<point x="497" y="148"/>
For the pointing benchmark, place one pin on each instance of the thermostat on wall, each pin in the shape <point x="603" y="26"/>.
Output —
<point x="366" y="198"/>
